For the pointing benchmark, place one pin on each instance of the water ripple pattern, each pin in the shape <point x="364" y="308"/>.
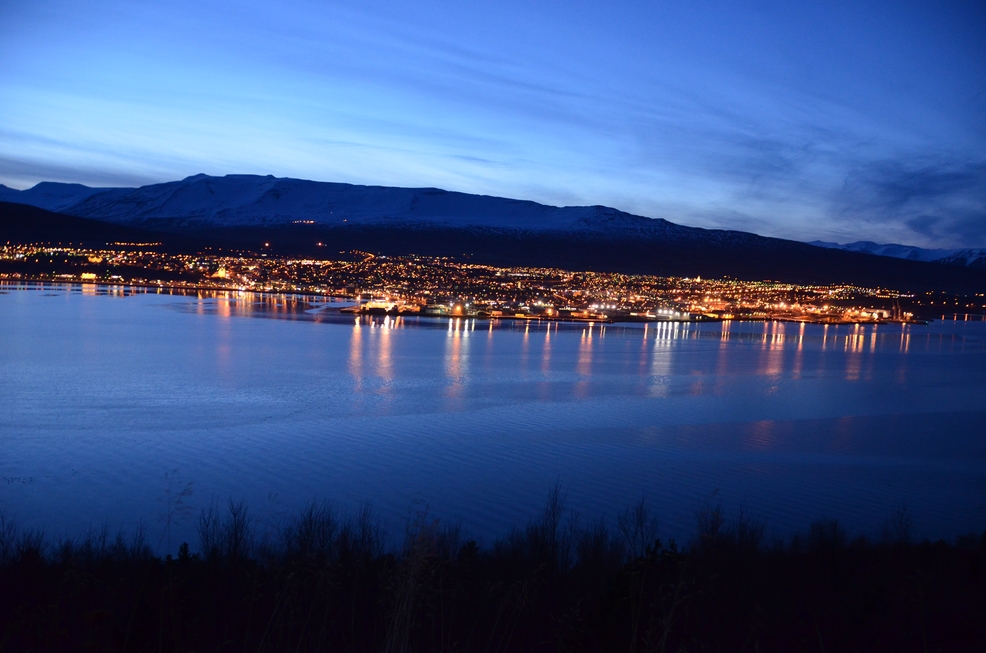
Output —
<point x="110" y="398"/>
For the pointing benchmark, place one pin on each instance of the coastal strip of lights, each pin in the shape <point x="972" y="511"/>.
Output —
<point x="439" y="285"/>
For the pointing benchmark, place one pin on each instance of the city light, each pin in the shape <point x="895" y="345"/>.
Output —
<point x="440" y="286"/>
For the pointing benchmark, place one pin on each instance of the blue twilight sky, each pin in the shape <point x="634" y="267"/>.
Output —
<point x="831" y="120"/>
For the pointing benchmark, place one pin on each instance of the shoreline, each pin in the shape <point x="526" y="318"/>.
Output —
<point x="189" y="289"/>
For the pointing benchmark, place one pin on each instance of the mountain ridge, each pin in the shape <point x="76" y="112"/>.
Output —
<point x="50" y="195"/>
<point x="204" y="201"/>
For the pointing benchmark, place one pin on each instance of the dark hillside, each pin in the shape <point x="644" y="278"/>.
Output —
<point x="754" y="258"/>
<point x="23" y="224"/>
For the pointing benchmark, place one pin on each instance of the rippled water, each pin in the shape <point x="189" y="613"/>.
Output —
<point x="111" y="400"/>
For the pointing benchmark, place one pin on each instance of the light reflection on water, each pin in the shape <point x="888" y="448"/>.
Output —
<point x="104" y="390"/>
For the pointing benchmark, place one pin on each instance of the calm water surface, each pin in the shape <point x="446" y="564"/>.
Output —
<point x="109" y="400"/>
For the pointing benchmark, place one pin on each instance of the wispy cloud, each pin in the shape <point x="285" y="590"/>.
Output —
<point x="801" y="124"/>
<point x="940" y="202"/>
<point x="23" y="173"/>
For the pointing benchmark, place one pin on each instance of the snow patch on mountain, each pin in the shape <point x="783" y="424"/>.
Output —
<point x="50" y="195"/>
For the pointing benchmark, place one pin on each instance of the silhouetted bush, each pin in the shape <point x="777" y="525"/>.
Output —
<point x="326" y="581"/>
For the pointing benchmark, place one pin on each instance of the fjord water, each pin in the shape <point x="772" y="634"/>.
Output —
<point x="118" y="406"/>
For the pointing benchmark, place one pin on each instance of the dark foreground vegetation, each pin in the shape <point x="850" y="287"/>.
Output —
<point x="325" y="582"/>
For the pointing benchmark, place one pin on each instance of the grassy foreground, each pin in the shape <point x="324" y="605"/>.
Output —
<point x="328" y="582"/>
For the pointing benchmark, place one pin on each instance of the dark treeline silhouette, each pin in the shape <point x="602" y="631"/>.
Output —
<point x="324" y="581"/>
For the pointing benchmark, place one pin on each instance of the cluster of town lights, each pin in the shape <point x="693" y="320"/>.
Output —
<point x="441" y="286"/>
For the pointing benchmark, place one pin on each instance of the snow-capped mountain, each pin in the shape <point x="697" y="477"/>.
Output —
<point x="971" y="257"/>
<point x="251" y="200"/>
<point x="248" y="204"/>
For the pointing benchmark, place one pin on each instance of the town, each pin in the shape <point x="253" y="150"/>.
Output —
<point x="432" y="286"/>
